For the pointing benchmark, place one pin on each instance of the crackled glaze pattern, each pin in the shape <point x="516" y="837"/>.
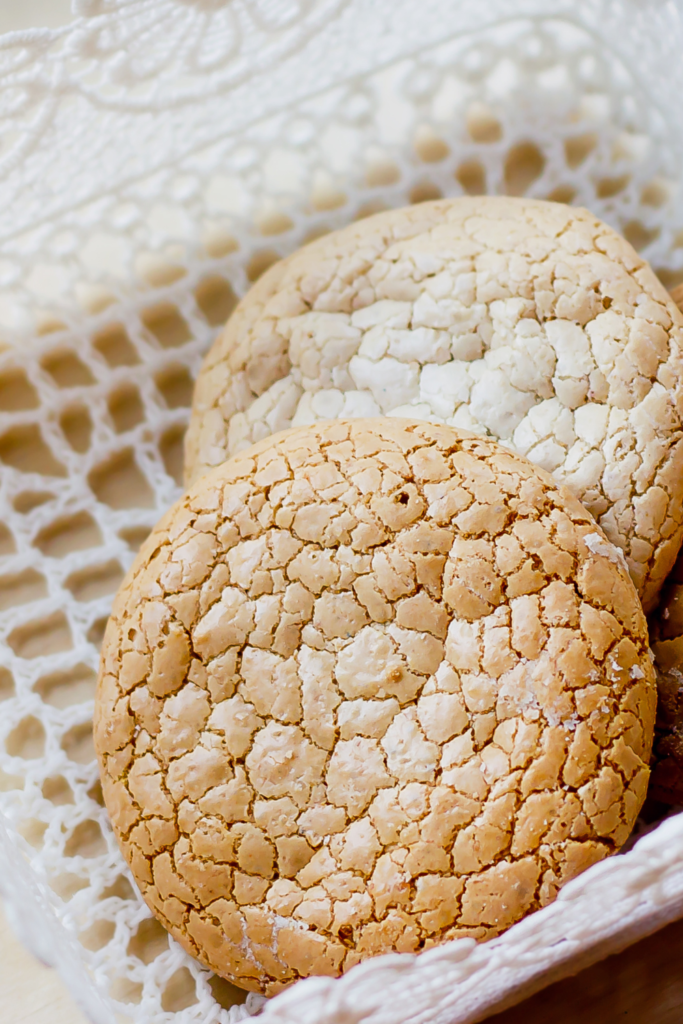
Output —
<point x="528" y="322"/>
<point x="369" y="685"/>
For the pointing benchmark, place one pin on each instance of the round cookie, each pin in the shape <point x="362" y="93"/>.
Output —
<point x="369" y="686"/>
<point x="527" y="321"/>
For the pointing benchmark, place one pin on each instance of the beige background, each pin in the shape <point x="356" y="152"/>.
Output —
<point x="643" y="985"/>
<point x="18" y="14"/>
<point x="29" y="992"/>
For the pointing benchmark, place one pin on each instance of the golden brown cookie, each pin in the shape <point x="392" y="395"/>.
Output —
<point x="369" y="686"/>
<point x="530" y="322"/>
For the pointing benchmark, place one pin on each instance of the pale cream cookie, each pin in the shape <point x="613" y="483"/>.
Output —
<point x="530" y="322"/>
<point x="369" y="686"/>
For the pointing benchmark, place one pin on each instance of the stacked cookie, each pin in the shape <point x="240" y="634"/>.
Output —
<point x="381" y="678"/>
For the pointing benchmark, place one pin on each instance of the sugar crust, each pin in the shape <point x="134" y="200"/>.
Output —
<point x="369" y="686"/>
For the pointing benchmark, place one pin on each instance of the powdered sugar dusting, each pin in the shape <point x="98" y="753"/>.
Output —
<point x="600" y="546"/>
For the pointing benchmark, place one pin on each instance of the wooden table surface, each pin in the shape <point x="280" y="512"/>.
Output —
<point x="642" y="985"/>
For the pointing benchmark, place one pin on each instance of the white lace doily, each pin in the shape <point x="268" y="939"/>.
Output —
<point x="155" y="157"/>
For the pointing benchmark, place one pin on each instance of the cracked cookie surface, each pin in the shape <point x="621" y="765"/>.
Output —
<point x="527" y="321"/>
<point x="369" y="686"/>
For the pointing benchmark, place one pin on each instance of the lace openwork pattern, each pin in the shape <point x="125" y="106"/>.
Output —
<point x="148" y="177"/>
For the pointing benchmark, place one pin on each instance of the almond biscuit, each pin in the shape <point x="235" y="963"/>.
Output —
<point x="526" y="321"/>
<point x="370" y="685"/>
